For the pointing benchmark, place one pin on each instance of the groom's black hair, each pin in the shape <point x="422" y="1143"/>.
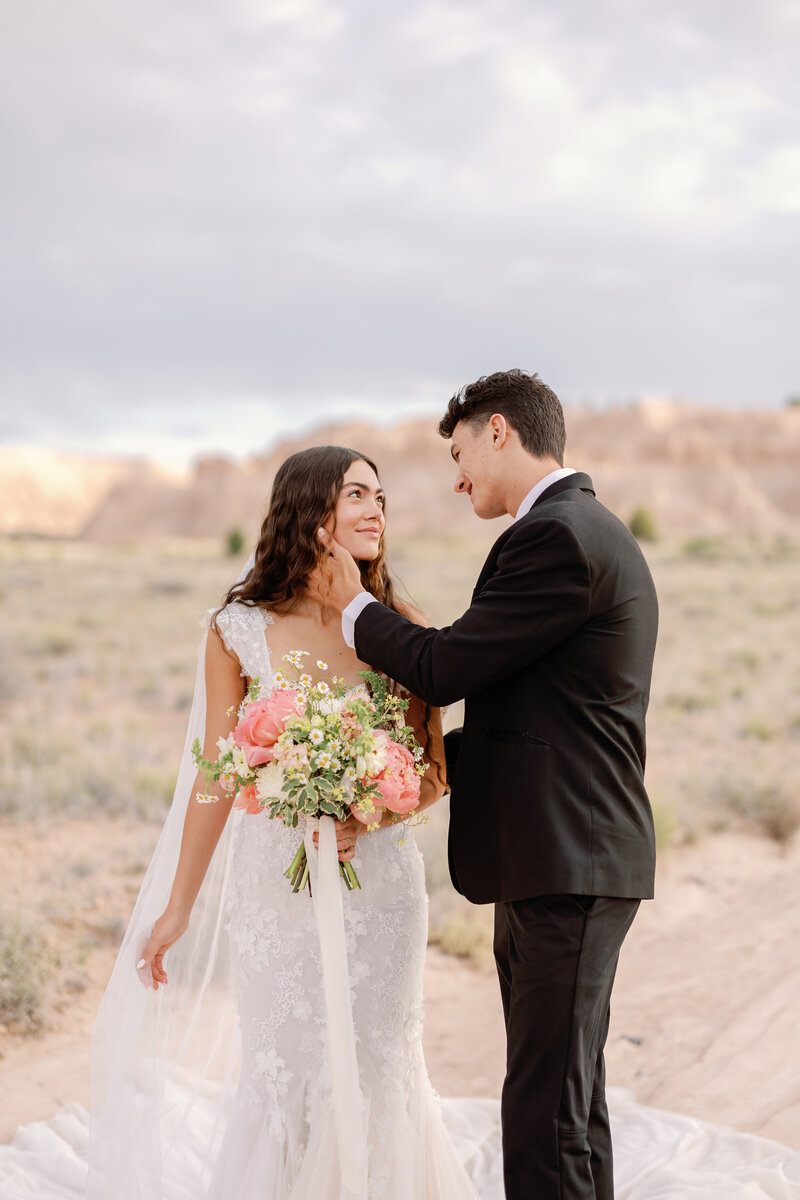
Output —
<point x="528" y="404"/>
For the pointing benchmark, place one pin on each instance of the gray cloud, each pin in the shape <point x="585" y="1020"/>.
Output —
<point x="318" y="204"/>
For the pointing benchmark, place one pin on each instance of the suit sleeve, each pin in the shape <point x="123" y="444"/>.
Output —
<point x="538" y="594"/>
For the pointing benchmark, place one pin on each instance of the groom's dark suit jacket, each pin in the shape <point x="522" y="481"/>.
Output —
<point x="554" y="658"/>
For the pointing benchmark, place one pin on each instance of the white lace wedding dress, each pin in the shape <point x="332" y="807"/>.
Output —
<point x="281" y="1136"/>
<point x="263" y="1126"/>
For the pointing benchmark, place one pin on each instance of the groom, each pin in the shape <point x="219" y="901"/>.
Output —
<point x="549" y="814"/>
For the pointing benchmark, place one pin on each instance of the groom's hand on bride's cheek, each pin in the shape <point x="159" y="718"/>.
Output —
<point x="339" y="581"/>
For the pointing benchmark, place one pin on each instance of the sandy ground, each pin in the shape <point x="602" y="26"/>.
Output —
<point x="706" y="1007"/>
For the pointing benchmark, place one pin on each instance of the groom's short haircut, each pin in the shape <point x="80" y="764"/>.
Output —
<point x="528" y="404"/>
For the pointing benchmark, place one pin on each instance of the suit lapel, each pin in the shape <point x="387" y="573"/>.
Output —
<point x="488" y="567"/>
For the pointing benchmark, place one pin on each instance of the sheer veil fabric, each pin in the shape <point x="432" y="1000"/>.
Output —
<point x="158" y="1056"/>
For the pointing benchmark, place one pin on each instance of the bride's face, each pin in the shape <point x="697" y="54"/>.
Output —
<point x="358" y="520"/>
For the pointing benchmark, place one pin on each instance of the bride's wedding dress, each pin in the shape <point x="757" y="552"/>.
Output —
<point x="191" y="1102"/>
<point x="281" y="1135"/>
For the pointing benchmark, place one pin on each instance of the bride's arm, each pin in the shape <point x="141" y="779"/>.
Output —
<point x="429" y="736"/>
<point x="426" y="721"/>
<point x="204" y="822"/>
<point x="432" y="785"/>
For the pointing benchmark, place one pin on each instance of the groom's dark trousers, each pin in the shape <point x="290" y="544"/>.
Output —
<point x="549" y="817"/>
<point x="556" y="958"/>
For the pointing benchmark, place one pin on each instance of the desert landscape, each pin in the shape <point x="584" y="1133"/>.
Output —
<point x="105" y="571"/>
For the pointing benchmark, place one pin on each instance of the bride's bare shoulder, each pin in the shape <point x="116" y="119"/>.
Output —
<point x="235" y="632"/>
<point x="219" y="655"/>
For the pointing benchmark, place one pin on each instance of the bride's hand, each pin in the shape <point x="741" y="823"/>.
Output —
<point x="170" y="926"/>
<point x="347" y="834"/>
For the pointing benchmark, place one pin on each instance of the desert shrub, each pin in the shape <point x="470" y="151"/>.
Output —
<point x="689" y="701"/>
<point x="168" y="587"/>
<point x="704" y="548"/>
<point x="78" y="868"/>
<point x="55" y="643"/>
<point x="148" y="689"/>
<point x="749" y="659"/>
<point x="642" y="525"/>
<point x="234" y="542"/>
<point x="757" y="729"/>
<point x="22" y="972"/>
<point x="665" y="822"/>
<point x="152" y="791"/>
<point x="76" y="779"/>
<point x="780" y="816"/>
<point x="781" y="549"/>
<point x="463" y="938"/>
<point x="773" y="808"/>
<point x="776" y="811"/>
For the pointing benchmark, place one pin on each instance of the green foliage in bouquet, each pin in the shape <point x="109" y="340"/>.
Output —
<point x="311" y="749"/>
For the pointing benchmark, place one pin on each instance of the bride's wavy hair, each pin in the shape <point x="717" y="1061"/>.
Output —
<point x="304" y="497"/>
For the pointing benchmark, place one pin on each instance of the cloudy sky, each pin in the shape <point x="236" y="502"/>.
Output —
<point x="224" y="220"/>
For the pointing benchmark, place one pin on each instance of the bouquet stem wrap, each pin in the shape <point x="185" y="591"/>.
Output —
<point x="345" y="1086"/>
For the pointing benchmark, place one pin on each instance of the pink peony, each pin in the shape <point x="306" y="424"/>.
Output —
<point x="373" y="817"/>
<point x="263" y="723"/>
<point x="398" y="782"/>
<point x="247" y="799"/>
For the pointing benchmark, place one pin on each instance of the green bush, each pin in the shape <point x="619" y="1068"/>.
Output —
<point x="643" y="525"/>
<point x="665" y="822"/>
<point x="462" y="938"/>
<point x="234" y="542"/>
<point x="704" y="548"/>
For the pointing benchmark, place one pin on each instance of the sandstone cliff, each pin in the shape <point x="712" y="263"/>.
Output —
<point x="698" y="471"/>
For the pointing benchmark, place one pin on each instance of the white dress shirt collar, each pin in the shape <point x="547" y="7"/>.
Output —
<point x="542" y="486"/>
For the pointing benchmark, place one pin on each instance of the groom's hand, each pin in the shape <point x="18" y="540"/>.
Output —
<point x="339" y="580"/>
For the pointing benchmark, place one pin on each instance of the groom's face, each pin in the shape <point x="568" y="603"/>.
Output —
<point x="479" y="469"/>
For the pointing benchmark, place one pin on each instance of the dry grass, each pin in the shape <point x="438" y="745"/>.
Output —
<point x="23" y="971"/>
<point x="726" y="690"/>
<point x="98" y="650"/>
<point x="98" y="658"/>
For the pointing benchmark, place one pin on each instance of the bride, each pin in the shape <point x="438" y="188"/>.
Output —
<point x="170" y="1116"/>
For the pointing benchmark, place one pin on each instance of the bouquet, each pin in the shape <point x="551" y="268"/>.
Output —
<point x="316" y="749"/>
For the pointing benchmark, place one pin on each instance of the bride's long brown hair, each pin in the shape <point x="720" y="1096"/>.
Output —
<point x="304" y="498"/>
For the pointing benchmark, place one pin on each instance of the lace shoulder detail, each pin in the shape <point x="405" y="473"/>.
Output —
<point x="243" y="630"/>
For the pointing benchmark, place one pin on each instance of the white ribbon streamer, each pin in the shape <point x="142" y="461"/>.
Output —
<point x="345" y="1087"/>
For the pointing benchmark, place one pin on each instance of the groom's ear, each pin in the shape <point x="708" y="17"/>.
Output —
<point x="500" y="430"/>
